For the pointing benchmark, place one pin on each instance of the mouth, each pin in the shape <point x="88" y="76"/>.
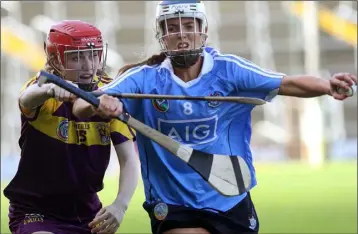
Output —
<point x="86" y="76"/>
<point x="183" y="45"/>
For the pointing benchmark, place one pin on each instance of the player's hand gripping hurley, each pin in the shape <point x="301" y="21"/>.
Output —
<point x="229" y="175"/>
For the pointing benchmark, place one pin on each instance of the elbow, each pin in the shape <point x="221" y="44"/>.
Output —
<point x="31" y="100"/>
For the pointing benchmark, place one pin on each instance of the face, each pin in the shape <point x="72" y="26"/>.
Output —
<point x="81" y="67"/>
<point x="182" y="34"/>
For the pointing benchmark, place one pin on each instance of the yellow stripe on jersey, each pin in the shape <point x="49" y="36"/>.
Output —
<point x="70" y="132"/>
<point x="122" y="128"/>
<point x="60" y="128"/>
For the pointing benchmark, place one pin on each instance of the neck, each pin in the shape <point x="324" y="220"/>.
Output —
<point x="191" y="73"/>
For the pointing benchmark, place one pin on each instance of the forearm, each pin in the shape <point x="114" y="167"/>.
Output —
<point x="128" y="180"/>
<point x="34" y="96"/>
<point x="304" y="86"/>
<point x="82" y="109"/>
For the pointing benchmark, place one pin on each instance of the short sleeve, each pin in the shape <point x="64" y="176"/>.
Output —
<point x="121" y="132"/>
<point x="259" y="82"/>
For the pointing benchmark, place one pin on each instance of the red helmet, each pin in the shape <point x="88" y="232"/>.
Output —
<point x="73" y="36"/>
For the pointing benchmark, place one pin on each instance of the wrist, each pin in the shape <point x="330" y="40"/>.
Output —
<point x="328" y="91"/>
<point x="120" y="204"/>
<point x="327" y="88"/>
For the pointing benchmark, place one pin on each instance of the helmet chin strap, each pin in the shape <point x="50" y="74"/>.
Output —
<point x="87" y="87"/>
<point x="184" y="59"/>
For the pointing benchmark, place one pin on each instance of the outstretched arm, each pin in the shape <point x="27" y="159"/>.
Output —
<point x="310" y="86"/>
<point x="267" y="84"/>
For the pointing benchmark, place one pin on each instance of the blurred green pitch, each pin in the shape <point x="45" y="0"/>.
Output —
<point x="290" y="198"/>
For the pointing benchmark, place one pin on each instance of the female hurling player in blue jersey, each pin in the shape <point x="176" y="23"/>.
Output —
<point x="178" y="200"/>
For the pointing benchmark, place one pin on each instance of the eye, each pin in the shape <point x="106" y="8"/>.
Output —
<point x="171" y="29"/>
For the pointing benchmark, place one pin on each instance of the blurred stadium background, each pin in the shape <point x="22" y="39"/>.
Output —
<point x="301" y="147"/>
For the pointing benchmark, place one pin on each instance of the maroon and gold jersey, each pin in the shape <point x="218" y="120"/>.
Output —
<point x="61" y="155"/>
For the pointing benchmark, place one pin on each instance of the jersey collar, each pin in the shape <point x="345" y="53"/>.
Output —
<point x="208" y="65"/>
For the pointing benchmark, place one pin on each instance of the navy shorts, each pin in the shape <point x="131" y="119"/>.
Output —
<point x="242" y="218"/>
<point x="34" y="222"/>
<point x="24" y="219"/>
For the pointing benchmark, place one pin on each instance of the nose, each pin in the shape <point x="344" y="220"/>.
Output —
<point x="87" y="63"/>
<point x="182" y="35"/>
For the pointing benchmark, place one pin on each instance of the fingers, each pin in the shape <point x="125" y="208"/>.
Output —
<point x="61" y="94"/>
<point x="339" y="96"/>
<point x="342" y="81"/>
<point x="103" y="223"/>
<point x="109" y="106"/>
<point x="100" y="212"/>
<point x="98" y="220"/>
<point x="111" y="228"/>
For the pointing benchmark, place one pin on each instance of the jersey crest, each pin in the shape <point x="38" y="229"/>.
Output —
<point x="215" y="103"/>
<point x="62" y="130"/>
<point x="161" y="105"/>
<point x="104" y="133"/>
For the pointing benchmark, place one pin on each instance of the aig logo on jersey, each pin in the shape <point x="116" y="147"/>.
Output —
<point x="161" y="105"/>
<point x="215" y="103"/>
<point x="190" y="131"/>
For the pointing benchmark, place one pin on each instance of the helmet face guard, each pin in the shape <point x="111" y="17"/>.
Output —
<point x="184" y="40"/>
<point x="91" y="68"/>
<point x="75" y="50"/>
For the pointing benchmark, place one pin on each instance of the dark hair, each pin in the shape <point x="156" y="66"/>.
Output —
<point x="154" y="60"/>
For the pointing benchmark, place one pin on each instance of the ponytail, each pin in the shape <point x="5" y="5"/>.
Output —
<point x="154" y="60"/>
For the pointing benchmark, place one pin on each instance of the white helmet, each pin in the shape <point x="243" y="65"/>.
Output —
<point x="181" y="9"/>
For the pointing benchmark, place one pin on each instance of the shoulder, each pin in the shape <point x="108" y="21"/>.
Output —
<point x="137" y="72"/>
<point x="240" y="64"/>
<point x="228" y="59"/>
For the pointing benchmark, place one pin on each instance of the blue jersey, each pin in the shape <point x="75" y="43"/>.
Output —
<point x="203" y="125"/>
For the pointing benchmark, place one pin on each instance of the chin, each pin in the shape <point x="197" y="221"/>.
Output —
<point x="87" y="81"/>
